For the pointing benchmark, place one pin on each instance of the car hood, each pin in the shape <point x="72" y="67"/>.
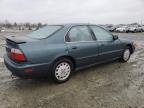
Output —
<point x="126" y="40"/>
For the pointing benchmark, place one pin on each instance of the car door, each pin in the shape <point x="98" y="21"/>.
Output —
<point x="81" y="45"/>
<point x="109" y="48"/>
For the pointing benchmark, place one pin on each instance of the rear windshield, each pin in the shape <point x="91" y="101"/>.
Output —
<point x="44" y="32"/>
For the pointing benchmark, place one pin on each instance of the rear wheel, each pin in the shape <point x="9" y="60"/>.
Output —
<point x="61" y="70"/>
<point x="126" y="55"/>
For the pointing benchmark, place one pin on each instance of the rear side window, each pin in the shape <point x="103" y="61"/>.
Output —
<point x="80" y="33"/>
<point x="101" y="34"/>
<point x="44" y="32"/>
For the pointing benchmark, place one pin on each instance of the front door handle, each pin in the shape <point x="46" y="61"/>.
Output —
<point x="74" y="47"/>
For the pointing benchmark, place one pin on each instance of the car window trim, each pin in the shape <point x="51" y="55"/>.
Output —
<point x="67" y="34"/>
<point x="92" y="33"/>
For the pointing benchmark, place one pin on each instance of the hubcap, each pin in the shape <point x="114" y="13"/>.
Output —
<point x="62" y="71"/>
<point x="126" y="54"/>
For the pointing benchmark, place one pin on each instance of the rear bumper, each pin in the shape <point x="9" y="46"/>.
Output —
<point x="20" y="70"/>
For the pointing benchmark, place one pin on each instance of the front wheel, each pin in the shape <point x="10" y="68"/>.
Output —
<point x="61" y="70"/>
<point x="126" y="55"/>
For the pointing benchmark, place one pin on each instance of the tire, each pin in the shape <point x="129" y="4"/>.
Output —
<point x="62" y="70"/>
<point x="126" y="55"/>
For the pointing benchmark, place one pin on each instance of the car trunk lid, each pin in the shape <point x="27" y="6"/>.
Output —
<point x="15" y="41"/>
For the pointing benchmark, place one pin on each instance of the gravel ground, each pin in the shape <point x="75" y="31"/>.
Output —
<point x="110" y="85"/>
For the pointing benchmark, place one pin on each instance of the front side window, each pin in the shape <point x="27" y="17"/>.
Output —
<point x="80" y="33"/>
<point x="44" y="32"/>
<point x="101" y="34"/>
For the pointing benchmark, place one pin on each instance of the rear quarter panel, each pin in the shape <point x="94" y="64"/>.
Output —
<point x="43" y="52"/>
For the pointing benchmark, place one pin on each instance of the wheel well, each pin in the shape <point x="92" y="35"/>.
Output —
<point x="131" y="48"/>
<point x="67" y="57"/>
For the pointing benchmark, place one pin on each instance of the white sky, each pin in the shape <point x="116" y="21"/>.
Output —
<point x="73" y="11"/>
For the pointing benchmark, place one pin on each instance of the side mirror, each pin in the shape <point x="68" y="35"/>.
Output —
<point x="115" y="37"/>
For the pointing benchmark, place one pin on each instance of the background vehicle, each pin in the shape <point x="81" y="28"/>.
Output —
<point x="135" y="29"/>
<point x="58" y="50"/>
<point x="122" y="29"/>
<point x="132" y="29"/>
<point x="141" y="29"/>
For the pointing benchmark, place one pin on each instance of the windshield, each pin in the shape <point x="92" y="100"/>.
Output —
<point x="44" y="32"/>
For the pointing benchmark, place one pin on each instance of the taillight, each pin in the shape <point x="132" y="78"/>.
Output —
<point x="17" y="55"/>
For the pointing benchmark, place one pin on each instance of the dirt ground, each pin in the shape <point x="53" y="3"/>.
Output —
<point x="110" y="85"/>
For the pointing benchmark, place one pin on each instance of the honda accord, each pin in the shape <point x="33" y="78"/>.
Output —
<point x="58" y="50"/>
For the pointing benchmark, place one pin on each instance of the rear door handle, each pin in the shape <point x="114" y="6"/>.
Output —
<point x="74" y="47"/>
